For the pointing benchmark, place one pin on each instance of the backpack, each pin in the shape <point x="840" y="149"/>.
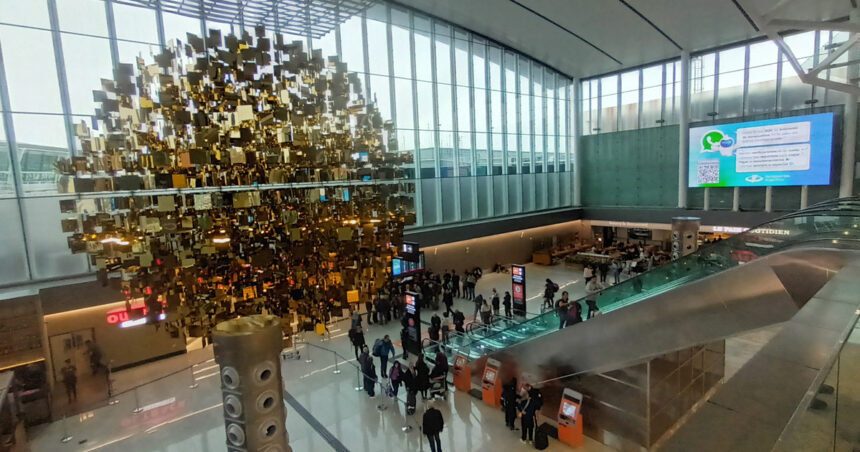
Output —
<point x="554" y="288"/>
<point x="377" y="347"/>
<point x="541" y="440"/>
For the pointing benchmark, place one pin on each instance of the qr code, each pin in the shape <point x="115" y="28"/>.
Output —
<point x="709" y="171"/>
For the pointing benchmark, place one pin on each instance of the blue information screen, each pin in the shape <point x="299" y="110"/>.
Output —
<point x="772" y="152"/>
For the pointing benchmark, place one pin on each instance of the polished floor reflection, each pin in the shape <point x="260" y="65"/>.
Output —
<point x="177" y="418"/>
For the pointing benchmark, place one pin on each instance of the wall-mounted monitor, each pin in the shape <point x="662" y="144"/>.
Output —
<point x="401" y="267"/>
<point x="787" y="151"/>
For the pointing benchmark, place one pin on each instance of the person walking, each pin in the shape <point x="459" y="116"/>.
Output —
<point x="386" y="350"/>
<point x="509" y="403"/>
<point x="495" y="302"/>
<point x="562" y="308"/>
<point x="507" y="304"/>
<point x="356" y="320"/>
<point x="446" y="328"/>
<point x="432" y="424"/>
<point x="395" y="377"/>
<point x="356" y="336"/>
<point x="70" y="380"/>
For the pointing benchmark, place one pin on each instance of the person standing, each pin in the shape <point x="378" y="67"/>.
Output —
<point x="370" y="379"/>
<point x="404" y="337"/>
<point x="574" y="314"/>
<point x="549" y="294"/>
<point x="528" y="413"/>
<point x="495" y="302"/>
<point x="616" y="271"/>
<point x="455" y="285"/>
<point x="95" y="354"/>
<point x="479" y="302"/>
<point x="470" y="289"/>
<point x="395" y="377"/>
<point x="447" y="297"/>
<point x="70" y="380"/>
<point x="356" y="336"/>
<point x="562" y="308"/>
<point x="507" y="304"/>
<point x="422" y="376"/>
<point x="386" y="350"/>
<point x="364" y="359"/>
<point x="509" y="403"/>
<point x="446" y="328"/>
<point x="486" y="313"/>
<point x="432" y="424"/>
<point x="459" y="319"/>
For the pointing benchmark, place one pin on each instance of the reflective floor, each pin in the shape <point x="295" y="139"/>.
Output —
<point x="175" y="417"/>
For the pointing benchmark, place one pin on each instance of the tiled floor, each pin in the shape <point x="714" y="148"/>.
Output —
<point x="177" y="418"/>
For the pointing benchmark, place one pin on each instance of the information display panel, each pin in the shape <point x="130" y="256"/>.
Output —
<point x="787" y="151"/>
<point x="518" y="287"/>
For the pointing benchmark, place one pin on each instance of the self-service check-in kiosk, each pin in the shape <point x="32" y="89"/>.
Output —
<point x="491" y="385"/>
<point x="462" y="374"/>
<point x="570" y="418"/>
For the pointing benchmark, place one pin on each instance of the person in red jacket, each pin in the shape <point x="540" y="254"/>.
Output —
<point x="432" y="425"/>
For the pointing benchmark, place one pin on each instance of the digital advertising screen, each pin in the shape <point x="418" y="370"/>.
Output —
<point x="410" y="303"/>
<point x="773" y="152"/>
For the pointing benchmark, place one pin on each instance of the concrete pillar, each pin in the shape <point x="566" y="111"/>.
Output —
<point x="684" y="130"/>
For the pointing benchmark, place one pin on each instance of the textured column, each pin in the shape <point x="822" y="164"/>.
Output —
<point x="248" y="351"/>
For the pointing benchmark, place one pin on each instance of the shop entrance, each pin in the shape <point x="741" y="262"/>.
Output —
<point x="72" y="346"/>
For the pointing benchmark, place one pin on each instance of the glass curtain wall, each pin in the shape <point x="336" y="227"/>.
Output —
<point x="477" y="116"/>
<point x="746" y="80"/>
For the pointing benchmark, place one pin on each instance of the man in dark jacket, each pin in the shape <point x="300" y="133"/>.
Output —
<point x="459" y="318"/>
<point x="356" y="336"/>
<point x="432" y="425"/>
<point x="509" y="402"/>
<point x="529" y="409"/>
<point x="455" y="285"/>
<point x="386" y="351"/>
<point x="507" y="304"/>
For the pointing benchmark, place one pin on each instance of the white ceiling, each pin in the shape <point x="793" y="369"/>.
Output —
<point x="622" y="38"/>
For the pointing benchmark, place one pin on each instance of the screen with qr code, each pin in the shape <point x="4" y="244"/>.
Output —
<point x="795" y="150"/>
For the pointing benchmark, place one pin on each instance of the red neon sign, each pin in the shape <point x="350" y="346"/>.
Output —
<point x="120" y="315"/>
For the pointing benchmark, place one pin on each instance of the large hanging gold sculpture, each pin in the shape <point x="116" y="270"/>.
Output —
<point x="235" y="176"/>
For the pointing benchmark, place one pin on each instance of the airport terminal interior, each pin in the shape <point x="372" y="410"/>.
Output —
<point x="429" y="225"/>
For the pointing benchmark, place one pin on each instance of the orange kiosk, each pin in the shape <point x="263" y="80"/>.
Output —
<point x="462" y="374"/>
<point x="491" y="386"/>
<point x="570" y="418"/>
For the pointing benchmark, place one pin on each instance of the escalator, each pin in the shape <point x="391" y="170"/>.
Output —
<point x="829" y="225"/>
